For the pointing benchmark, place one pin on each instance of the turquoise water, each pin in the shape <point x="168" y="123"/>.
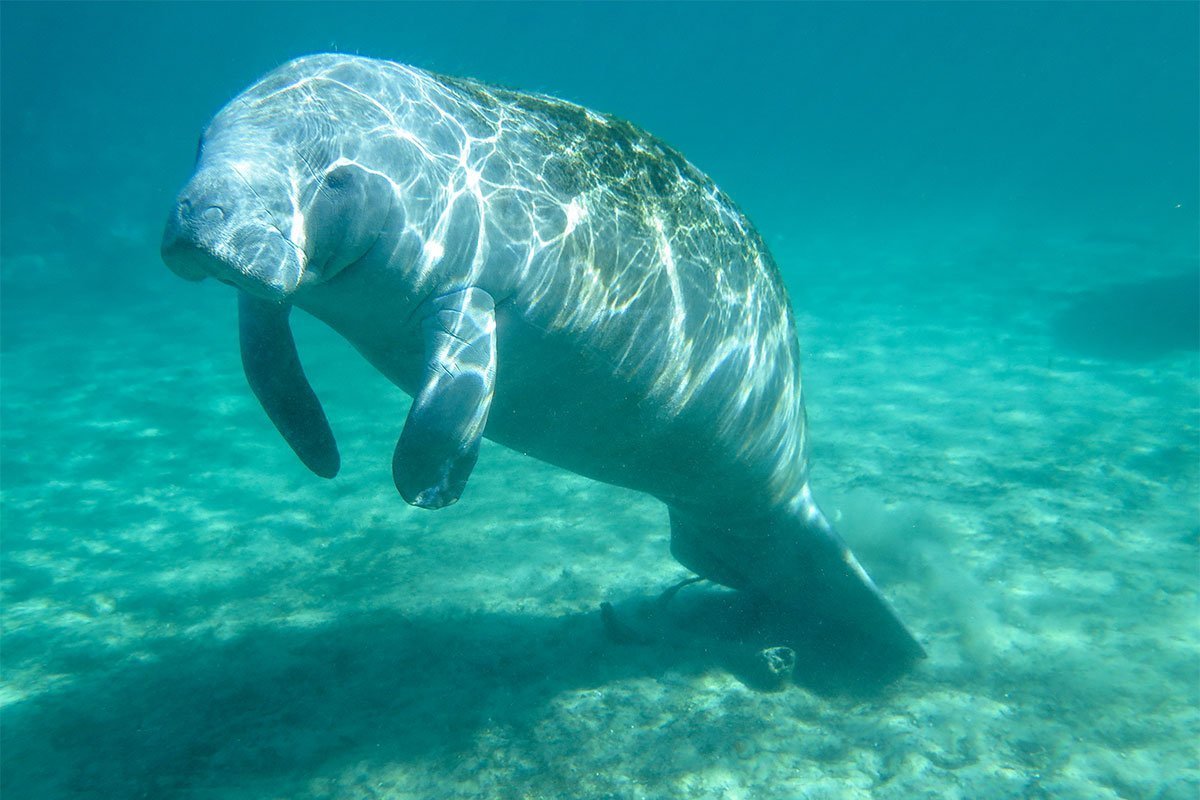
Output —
<point x="987" y="218"/>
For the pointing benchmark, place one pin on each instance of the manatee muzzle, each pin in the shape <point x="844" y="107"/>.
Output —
<point x="210" y="233"/>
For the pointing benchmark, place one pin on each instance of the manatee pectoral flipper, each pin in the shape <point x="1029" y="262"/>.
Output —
<point x="798" y="564"/>
<point x="277" y="379"/>
<point x="440" y="441"/>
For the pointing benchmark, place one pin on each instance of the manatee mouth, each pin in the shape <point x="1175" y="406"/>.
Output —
<point x="254" y="257"/>
<point x="269" y="265"/>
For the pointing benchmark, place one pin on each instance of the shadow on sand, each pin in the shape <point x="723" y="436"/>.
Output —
<point x="276" y="702"/>
<point x="1134" y="321"/>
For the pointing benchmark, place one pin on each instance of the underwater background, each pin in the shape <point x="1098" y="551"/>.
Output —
<point x="987" y="217"/>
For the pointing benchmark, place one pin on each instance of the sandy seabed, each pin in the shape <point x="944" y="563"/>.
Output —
<point x="189" y="614"/>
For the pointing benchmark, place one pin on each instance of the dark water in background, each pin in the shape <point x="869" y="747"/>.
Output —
<point x="912" y="125"/>
<point x="997" y="200"/>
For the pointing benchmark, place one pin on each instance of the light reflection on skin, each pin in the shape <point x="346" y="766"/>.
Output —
<point x="599" y="231"/>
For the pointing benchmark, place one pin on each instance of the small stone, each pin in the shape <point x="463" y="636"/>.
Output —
<point x="780" y="661"/>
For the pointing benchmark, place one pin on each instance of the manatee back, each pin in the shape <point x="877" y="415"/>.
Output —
<point x="619" y="245"/>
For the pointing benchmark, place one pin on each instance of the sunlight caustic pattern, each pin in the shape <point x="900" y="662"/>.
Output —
<point x="537" y="200"/>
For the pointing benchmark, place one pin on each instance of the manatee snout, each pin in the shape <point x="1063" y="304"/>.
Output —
<point x="215" y="231"/>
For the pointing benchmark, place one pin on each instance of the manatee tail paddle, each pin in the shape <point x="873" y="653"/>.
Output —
<point x="798" y="564"/>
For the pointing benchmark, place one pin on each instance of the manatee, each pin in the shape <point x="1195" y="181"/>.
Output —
<point x="529" y="270"/>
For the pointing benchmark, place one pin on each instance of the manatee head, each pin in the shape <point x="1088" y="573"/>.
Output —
<point x="278" y="200"/>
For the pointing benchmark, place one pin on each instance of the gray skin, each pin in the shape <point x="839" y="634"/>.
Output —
<point x="528" y="270"/>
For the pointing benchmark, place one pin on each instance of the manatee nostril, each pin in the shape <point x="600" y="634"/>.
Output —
<point x="213" y="214"/>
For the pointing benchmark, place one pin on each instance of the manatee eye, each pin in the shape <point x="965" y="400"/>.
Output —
<point x="199" y="148"/>
<point x="337" y="179"/>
